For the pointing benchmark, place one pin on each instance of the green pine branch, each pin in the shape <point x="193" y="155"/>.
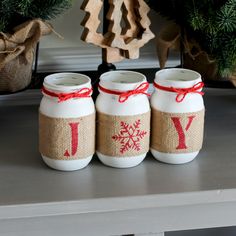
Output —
<point x="226" y="17"/>
<point x="46" y="9"/>
<point x="14" y="12"/>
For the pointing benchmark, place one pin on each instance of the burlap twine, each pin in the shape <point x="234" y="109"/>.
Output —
<point x="55" y="137"/>
<point x="17" y="53"/>
<point x="164" y="135"/>
<point x="123" y="136"/>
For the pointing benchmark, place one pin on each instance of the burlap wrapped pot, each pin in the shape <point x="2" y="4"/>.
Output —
<point x="17" y="54"/>
<point x="194" y="57"/>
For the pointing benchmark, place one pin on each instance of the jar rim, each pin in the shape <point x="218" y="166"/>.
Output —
<point x="177" y="77"/>
<point x="120" y="80"/>
<point x="66" y="81"/>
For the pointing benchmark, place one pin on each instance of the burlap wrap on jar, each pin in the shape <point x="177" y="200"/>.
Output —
<point x="127" y="135"/>
<point x="177" y="132"/>
<point x="67" y="138"/>
<point x="17" y="54"/>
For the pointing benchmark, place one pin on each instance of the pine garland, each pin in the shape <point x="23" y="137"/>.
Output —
<point x="14" y="12"/>
<point x="212" y="23"/>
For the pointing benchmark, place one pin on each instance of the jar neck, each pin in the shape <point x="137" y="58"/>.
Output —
<point x="181" y="92"/>
<point x="123" y="96"/>
<point x="177" y="78"/>
<point x="66" y="86"/>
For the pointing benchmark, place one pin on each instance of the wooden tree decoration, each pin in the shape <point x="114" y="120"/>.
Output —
<point x="127" y="32"/>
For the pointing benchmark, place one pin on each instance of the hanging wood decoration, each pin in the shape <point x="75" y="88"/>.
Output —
<point x="127" y="32"/>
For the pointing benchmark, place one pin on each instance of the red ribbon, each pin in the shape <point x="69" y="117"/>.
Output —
<point x="82" y="93"/>
<point x="182" y="92"/>
<point x="123" y="96"/>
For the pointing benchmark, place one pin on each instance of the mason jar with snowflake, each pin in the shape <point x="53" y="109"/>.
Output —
<point x="123" y="119"/>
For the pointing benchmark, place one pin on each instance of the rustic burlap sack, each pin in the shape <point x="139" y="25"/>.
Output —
<point x="123" y="136"/>
<point x="194" y="57"/>
<point x="165" y="137"/>
<point x="169" y="38"/>
<point x="17" y="53"/>
<point x="233" y="79"/>
<point x="202" y="64"/>
<point x="57" y="141"/>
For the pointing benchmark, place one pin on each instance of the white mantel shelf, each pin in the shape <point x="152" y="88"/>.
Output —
<point x="150" y="198"/>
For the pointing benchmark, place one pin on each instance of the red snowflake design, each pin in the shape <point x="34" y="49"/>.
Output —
<point x="129" y="136"/>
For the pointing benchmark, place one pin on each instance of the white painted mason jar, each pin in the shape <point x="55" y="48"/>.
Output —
<point x="123" y="119"/>
<point x="67" y="121"/>
<point x="177" y="115"/>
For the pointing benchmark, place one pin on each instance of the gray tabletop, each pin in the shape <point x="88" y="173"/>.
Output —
<point x="26" y="181"/>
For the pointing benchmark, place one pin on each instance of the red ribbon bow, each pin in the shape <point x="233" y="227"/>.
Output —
<point x="182" y="92"/>
<point x="123" y="96"/>
<point x="141" y="89"/>
<point x="82" y="93"/>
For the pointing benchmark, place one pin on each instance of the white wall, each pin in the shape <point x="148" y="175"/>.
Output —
<point x="72" y="54"/>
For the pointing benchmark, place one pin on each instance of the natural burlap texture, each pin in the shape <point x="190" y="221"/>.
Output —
<point x="194" y="57"/>
<point x="55" y="137"/>
<point x="233" y="79"/>
<point x="166" y="139"/>
<point x="17" y="53"/>
<point x="123" y="136"/>
<point x="168" y="38"/>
